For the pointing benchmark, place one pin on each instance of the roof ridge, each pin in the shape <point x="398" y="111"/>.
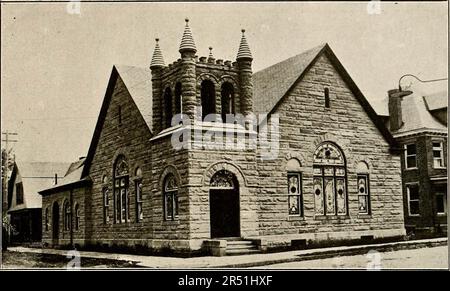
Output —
<point x="293" y="57"/>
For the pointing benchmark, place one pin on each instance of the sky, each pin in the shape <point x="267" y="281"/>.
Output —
<point x="55" y="65"/>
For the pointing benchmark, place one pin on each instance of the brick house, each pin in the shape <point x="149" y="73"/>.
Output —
<point x="335" y="175"/>
<point x="418" y="121"/>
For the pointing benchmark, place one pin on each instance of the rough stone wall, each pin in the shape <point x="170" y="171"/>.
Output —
<point x="78" y="198"/>
<point x="131" y="139"/>
<point x="305" y="122"/>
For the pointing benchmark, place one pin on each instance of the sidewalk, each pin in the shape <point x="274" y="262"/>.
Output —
<point x="244" y="260"/>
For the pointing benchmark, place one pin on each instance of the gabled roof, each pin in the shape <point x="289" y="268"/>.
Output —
<point x="35" y="176"/>
<point x="272" y="84"/>
<point x="436" y="101"/>
<point x="138" y="82"/>
<point x="416" y="116"/>
<point x="73" y="176"/>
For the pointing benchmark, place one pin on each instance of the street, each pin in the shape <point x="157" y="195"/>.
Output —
<point x="424" y="258"/>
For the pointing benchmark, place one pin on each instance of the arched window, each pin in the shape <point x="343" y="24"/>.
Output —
<point x="105" y="205"/>
<point x="208" y="97"/>
<point x="77" y="217"/>
<point x="168" y="113"/>
<point x="330" y="180"/>
<point x="66" y="215"/>
<point x="138" y="192"/>
<point x="362" y="170"/>
<point x="223" y="179"/>
<point x="294" y="189"/>
<point x="227" y="100"/>
<point x="170" y="197"/>
<point x="121" y="190"/>
<point x="178" y="100"/>
<point x="46" y="219"/>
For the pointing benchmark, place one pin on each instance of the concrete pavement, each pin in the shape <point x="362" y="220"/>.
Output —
<point x="244" y="261"/>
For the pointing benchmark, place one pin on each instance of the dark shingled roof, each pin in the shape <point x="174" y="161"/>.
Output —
<point x="270" y="84"/>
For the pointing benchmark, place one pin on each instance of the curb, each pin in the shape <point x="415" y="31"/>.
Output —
<point x="352" y="251"/>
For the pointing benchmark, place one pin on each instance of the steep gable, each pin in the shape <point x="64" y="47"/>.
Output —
<point x="137" y="83"/>
<point x="291" y="71"/>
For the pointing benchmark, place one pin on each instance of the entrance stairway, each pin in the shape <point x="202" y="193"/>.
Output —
<point x="238" y="246"/>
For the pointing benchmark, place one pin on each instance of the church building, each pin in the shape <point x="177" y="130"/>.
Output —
<point x="333" y="172"/>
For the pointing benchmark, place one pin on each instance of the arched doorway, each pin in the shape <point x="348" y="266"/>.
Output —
<point x="55" y="223"/>
<point x="224" y="205"/>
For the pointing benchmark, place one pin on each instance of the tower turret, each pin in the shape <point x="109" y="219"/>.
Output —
<point x="244" y="59"/>
<point x="156" y="66"/>
<point x="188" y="75"/>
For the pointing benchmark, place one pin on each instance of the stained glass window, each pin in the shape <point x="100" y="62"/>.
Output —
<point x="67" y="215"/>
<point x="329" y="186"/>
<point x="121" y="198"/>
<point x="363" y="194"/>
<point x="223" y="179"/>
<point x="139" y="209"/>
<point x="105" y="205"/>
<point x="294" y="194"/>
<point x="170" y="198"/>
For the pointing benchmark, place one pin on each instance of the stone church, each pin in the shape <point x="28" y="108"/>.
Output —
<point x="335" y="176"/>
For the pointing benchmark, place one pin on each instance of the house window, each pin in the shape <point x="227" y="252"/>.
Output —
<point x="438" y="155"/>
<point x="121" y="190"/>
<point x="441" y="204"/>
<point x="410" y="156"/>
<point x="412" y="192"/>
<point x="363" y="194"/>
<point x="66" y="215"/>
<point x="105" y="205"/>
<point x="139" y="209"/>
<point x="170" y="198"/>
<point x="295" y="201"/>
<point x="19" y="193"/>
<point x="327" y="97"/>
<point x="329" y="181"/>
<point x="46" y="219"/>
<point x="77" y="217"/>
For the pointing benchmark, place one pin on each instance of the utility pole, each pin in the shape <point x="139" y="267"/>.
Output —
<point x="7" y="140"/>
<point x="5" y="176"/>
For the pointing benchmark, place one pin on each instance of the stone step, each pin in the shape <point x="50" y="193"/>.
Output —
<point x="241" y="247"/>
<point x="240" y="243"/>
<point x="241" y="252"/>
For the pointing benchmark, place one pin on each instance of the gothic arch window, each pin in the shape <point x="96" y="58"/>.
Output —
<point x="330" y="180"/>
<point x="121" y="199"/>
<point x="168" y="113"/>
<point x="227" y="100"/>
<point x="170" y="192"/>
<point x="362" y="170"/>
<point x="223" y="179"/>
<point x="66" y="215"/>
<point x="178" y="105"/>
<point x="294" y="189"/>
<point x="77" y="216"/>
<point x="138" y="192"/>
<point x="208" y="98"/>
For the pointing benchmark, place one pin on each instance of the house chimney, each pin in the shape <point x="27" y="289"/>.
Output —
<point x="56" y="179"/>
<point x="395" y="108"/>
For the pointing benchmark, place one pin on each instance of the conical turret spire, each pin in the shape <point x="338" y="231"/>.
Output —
<point x="157" y="59"/>
<point x="244" y="49"/>
<point x="187" y="41"/>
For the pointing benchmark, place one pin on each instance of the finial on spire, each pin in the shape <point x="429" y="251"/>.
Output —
<point x="187" y="41"/>
<point x="244" y="49"/>
<point x="210" y="52"/>
<point x="157" y="59"/>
